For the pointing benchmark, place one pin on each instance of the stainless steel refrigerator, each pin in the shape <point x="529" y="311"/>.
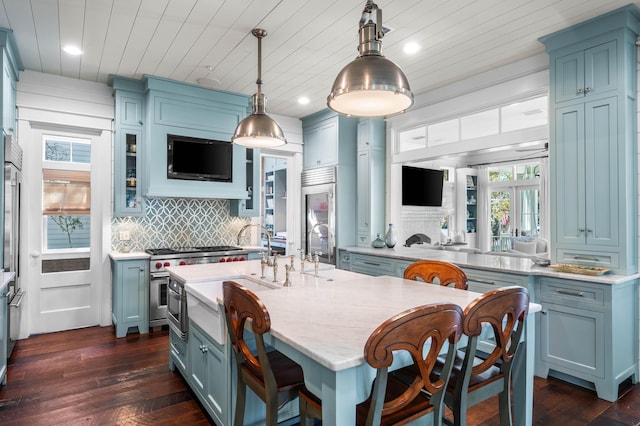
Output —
<point x="12" y="187"/>
<point x="318" y="198"/>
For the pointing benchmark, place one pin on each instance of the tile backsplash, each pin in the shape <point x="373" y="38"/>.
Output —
<point x="177" y="222"/>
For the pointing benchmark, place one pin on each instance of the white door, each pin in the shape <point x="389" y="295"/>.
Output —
<point x="66" y="185"/>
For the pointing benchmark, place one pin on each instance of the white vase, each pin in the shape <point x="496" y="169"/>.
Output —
<point x="390" y="239"/>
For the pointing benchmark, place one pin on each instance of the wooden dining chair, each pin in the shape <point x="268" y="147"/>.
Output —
<point x="475" y="378"/>
<point x="274" y="377"/>
<point x="429" y="270"/>
<point x="397" y="400"/>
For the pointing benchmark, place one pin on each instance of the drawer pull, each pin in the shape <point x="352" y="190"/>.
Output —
<point x="371" y="264"/>
<point x="570" y="292"/>
<point x="593" y="259"/>
<point x="481" y="281"/>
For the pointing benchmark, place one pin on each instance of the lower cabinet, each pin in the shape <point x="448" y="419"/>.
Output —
<point x="4" y="335"/>
<point x="208" y="373"/>
<point x="372" y="265"/>
<point x="587" y="333"/>
<point x="130" y="295"/>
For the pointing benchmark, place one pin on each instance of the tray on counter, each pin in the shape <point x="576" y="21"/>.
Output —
<point x="579" y="269"/>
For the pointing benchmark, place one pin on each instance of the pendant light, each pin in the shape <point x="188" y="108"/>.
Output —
<point x="259" y="130"/>
<point x="371" y="85"/>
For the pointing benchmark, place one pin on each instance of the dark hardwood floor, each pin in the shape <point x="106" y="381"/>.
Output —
<point x="89" y="377"/>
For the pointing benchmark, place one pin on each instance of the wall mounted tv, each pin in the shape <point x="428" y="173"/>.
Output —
<point x="199" y="159"/>
<point x="421" y="187"/>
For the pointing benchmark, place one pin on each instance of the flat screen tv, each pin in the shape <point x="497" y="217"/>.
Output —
<point x="421" y="187"/>
<point x="199" y="159"/>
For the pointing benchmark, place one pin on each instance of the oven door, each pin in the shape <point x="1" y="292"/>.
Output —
<point x="177" y="309"/>
<point x="158" y="289"/>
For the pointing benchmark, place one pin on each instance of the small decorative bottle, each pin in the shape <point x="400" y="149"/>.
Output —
<point x="390" y="238"/>
<point x="378" y="242"/>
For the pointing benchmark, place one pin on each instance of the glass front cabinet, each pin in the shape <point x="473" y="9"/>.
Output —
<point x="127" y="196"/>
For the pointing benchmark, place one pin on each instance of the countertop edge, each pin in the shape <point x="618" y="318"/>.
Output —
<point x="495" y="263"/>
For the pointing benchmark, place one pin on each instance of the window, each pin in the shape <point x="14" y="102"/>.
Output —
<point x="66" y="193"/>
<point x="515" y="203"/>
<point x="506" y="118"/>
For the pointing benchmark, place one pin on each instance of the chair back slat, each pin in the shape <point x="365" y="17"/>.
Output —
<point x="429" y="270"/>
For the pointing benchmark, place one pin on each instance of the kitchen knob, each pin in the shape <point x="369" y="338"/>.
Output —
<point x="235" y="259"/>
<point x="242" y="259"/>
<point x="158" y="265"/>
<point x="166" y="264"/>
<point x="182" y="263"/>
<point x="222" y="260"/>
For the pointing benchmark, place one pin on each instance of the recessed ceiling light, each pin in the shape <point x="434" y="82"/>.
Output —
<point x="303" y="100"/>
<point x="411" y="48"/>
<point x="72" y="50"/>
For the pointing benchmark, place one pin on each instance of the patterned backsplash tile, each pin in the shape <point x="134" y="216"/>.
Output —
<point x="176" y="222"/>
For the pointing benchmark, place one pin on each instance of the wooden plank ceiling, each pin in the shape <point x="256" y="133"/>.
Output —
<point x="209" y="41"/>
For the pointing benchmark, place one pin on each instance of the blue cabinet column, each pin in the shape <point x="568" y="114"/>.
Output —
<point x="593" y="147"/>
<point x="130" y="295"/>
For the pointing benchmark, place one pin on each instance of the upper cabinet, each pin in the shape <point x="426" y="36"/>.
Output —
<point x="11" y="65"/>
<point x="593" y="152"/>
<point x="322" y="133"/>
<point x="250" y="206"/>
<point x="148" y="112"/>
<point x="128" y="149"/>
<point x="586" y="73"/>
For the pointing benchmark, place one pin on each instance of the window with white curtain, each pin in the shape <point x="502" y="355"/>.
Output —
<point x="66" y="193"/>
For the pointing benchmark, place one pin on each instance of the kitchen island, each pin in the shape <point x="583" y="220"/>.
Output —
<point x="587" y="333"/>
<point x="323" y="323"/>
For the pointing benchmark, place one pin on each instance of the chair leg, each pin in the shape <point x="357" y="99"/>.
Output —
<point x="241" y="395"/>
<point x="303" y="411"/>
<point x="504" y="400"/>
<point x="460" y="410"/>
<point x="272" y="413"/>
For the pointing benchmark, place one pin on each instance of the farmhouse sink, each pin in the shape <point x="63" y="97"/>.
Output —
<point x="204" y="303"/>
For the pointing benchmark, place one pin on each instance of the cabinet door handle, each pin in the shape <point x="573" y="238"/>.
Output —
<point x="204" y="348"/>
<point x="593" y="259"/>
<point x="587" y="90"/>
<point x="589" y="230"/>
<point x="371" y="263"/>
<point x="581" y="229"/>
<point x="481" y="281"/>
<point x="570" y="292"/>
<point x="580" y="91"/>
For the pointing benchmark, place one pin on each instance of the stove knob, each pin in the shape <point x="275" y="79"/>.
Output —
<point x="242" y="259"/>
<point x="167" y="264"/>
<point x="229" y="259"/>
<point x="158" y="265"/>
<point x="190" y="262"/>
<point x="222" y="260"/>
<point x="182" y="263"/>
<point x="235" y="259"/>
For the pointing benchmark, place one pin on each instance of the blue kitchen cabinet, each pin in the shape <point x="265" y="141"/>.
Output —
<point x="586" y="73"/>
<point x="4" y="337"/>
<point x="587" y="333"/>
<point x="370" y="180"/>
<point x="128" y="147"/>
<point x="208" y="372"/>
<point x="330" y="142"/>
<point x="177" y="353"/>
<point x="250" y="206"/>
<point x="593" y="148"/>
<point x="130" y="295"/>
<point x="11" y="65"/>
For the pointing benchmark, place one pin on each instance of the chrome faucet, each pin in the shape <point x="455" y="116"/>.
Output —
<point x="287" y="279"/>
<point x="266" y="232"/>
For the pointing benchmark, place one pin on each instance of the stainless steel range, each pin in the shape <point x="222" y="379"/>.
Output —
<point x="160" y="296"/>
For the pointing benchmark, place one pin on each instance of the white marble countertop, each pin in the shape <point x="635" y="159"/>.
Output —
<point x="6" y="278"/>
<point x="329" y="318"/>
<point x="508" y="264"/>
<point x="116" y="255"/>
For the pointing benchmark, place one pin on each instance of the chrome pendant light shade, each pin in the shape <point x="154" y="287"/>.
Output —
<point x="258" y="130"/>
<point x="371" y="85"/>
